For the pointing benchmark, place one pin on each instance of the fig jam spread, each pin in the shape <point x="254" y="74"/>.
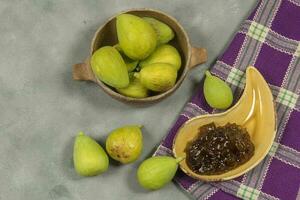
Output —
<point x="219" y="149"/>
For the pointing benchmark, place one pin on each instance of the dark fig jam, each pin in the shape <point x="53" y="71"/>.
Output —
<point x="219" y="149"/>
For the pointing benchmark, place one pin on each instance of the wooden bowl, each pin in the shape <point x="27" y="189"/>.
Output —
<point x="106" y="35"/>
<point x="254" y="111"/>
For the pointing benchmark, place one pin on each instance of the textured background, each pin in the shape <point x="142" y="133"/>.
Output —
<point x="42" y="108"/>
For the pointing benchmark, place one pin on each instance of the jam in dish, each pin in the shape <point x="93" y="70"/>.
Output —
<point x="219" y="149"/>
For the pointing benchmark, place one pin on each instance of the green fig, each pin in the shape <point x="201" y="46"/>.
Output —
<point x="130" y="64"/>
<point x="135" y="89"/>
<point x="125" y="144"/>
<point x="136" y="37"/>
<point x="158" y="77"/>
<point x="88" y="156"/>
<point x="216" y="92"/>
<point x="109" y="66"/>
<point x="155" y="172"/>
<point x="164" y="54"/>
<point x="163" y="31"/>
<point x="118" y="48"/>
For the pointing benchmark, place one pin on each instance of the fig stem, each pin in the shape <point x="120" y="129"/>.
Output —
<point x="80" y="133"/>
<point x="207" y="73"/>
<point x="179" y="159"/>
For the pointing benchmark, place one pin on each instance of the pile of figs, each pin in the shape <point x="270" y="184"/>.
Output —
<point x="142" y="63"/>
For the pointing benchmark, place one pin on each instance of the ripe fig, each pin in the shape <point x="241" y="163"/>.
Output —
<point x="155" y="172"/>
<point x="130" y="64"/>
<point x="89" y="157"/>
<point x="164" y="54"/>
<point x="158" y="77"/>
<point x="125" y="144"/>
<point x="109" y="66"/>
<point x="163" y="31"/>
<point x="137" y="38"/>
<point x="135" y="89"/>
<point x="216" y="92"/>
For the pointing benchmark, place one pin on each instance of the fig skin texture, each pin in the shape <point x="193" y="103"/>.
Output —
<point x="164" y="54"/>
<point x="109" y="66"/>
<point x="137" y="38"/>
<point x="125" y="144"/>
<point x="155" y="172"/>
<point x="216" y="92"/>
<point x="164" y="32"/>
<point x="158" y="77"/>
<point x="88" y="156"/>
<point x="135" y="89"/>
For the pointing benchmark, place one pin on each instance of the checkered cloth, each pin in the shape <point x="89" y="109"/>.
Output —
<point x="269" y="40"/>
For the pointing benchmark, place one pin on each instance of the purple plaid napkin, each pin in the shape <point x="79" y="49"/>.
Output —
<point x="269" y="40"/>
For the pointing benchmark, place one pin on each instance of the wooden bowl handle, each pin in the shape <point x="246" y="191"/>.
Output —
<point x="83" y="72"/>
<point x="199" y="56"/>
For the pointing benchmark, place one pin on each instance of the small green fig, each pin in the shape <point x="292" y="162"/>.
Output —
<point x="164" y="32"/>
<point x="135" y="89"/>
<point x="136" y="37"/>
<point x="109" y="66"/>
<point x="216" y="92"/>
<point x="125" y="144"/>
<point x="155" y="172"/>
<point x="158" y="77"/>
<point x="130" y="64"/>
<point x="88" y="156"/>
<point x="164" y="54"/>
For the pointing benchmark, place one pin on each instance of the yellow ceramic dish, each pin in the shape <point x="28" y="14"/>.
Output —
<point x="254" y="111"/>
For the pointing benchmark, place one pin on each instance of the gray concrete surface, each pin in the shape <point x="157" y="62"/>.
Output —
<point x="42" y="108"/>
